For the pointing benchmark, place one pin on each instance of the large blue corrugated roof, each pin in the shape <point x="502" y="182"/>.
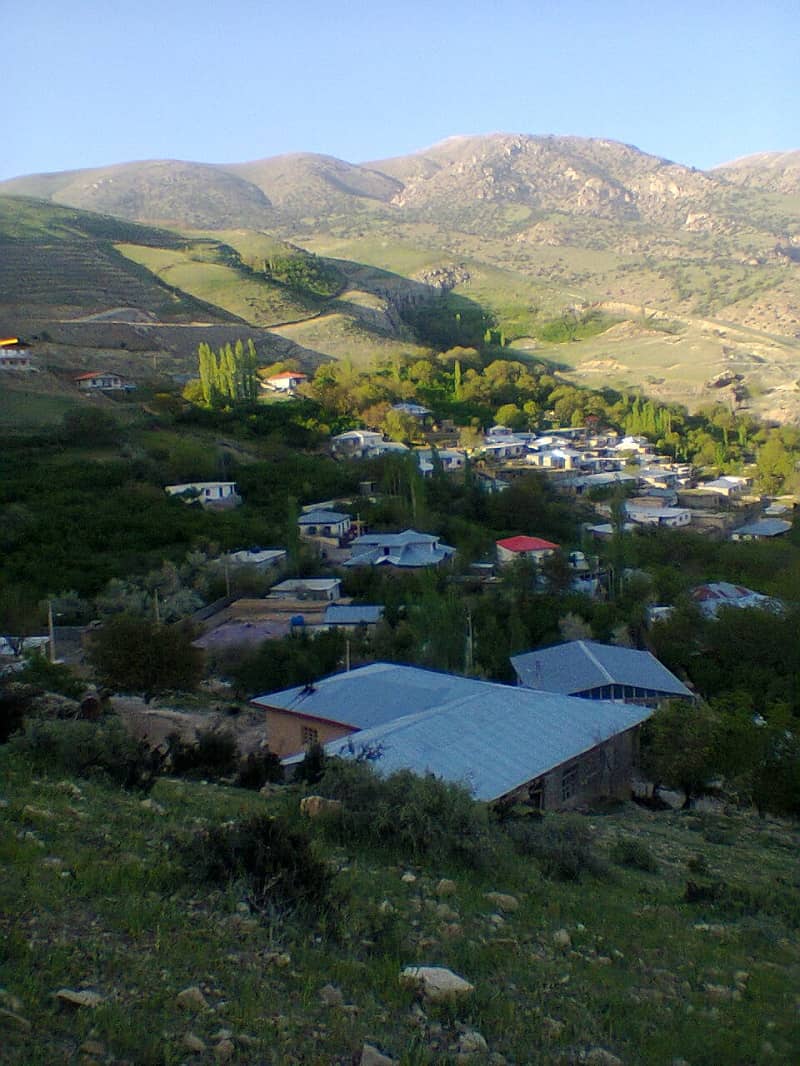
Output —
<point x="371" y="695"/>
<point x="492" y="738"/>
<point x="580" y="665"/>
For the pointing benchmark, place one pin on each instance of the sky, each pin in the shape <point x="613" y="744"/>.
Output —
<point x="90" y="84"/>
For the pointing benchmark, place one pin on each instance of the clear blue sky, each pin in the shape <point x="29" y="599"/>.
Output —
<point x="91" y="83"/>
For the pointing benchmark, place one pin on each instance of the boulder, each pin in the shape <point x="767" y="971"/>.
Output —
<point x="437" y="984"/>
<point x="314" y="806"/>
<point x="503" y="901"/>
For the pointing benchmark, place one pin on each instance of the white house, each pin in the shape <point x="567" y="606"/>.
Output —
<point x="263" y="559"/>
<point x="356" y="442"/>
<point x="762" y="529"/>
<point x="729" y="485"/>
<point x="102" y="382"/>
<point x="286" y="381"/>
<point x="332" y="524"/>
<point x="667" y="517"/>
<point x="15" y="356"/>
<point x="450" y="458"/>
<point x="212" y="494"/>
<point x="307" y="588"/>
<point x="523" y="547"/>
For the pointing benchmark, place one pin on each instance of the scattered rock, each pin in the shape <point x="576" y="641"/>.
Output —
<point x="472" y="1043"/>
<point x="191" y="998"/>
<point x="436" y="983"/>
<point x="452" y="930"/>
<point x="446" y="887"/>
<point x="224" y="1051"/>
<point x="386" y="907"/>
<point x="370" y="1056"/>
<point x="150" y="804"/>
<point x="71" y="998"/>
<point x="445" y="913"/>
<point x="331" y="996"/>
<point x="69" y="788"/>
<point x="599" y="1056"/>
<point x="562" y="939"/>
<point x="314" y="806"/>
<point x="9" y="1019"/>
<point x="552" y="1028"/>
<point x="92" y="1047"/>
<point x="503" y="901"/>
<point x="40" y="813"/>
<point x="281" y="959"/>
<point x="408" y="878"/>
<point x="194" y="1043"/>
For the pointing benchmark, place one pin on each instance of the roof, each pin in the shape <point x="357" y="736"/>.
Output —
<point x="531" y="733"/>
<point x="371" y="695"/>
<point x="319" y="584"/>
<point x="527" y="544"/>
<point x="317" y="518"/>
<point x="406" y="549"/>
<point x="763" y="527"/>
<point x="97" y="374"/>
<point x="285" y="375"/>
<point x="581" y="665"/>
<point x="718" y="594"/>
<point x="341" y="614"/>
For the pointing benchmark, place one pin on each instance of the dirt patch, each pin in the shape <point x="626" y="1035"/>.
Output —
<point x="155" y="724"/>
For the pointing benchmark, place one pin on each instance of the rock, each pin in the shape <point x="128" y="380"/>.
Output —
<point x="52" y="862"/>
<point x="191" y="998"/>
<point x="79" y="999"/>
<point x="194" y="1043"/>
<point x="69" y="788"/>
<point x="552" y="1028"/>
<point x="386" y="907"/>
<point x="92" y="1047"/>
<point x="436" y="983"/>
<point x="452" y="931"/>
<point x="503" y="901"/>
<point x="445" y="913"/>
<point x="222" y="1034"/>
<point x="599" y="1056"/>
<point x="150" y="804"/>
<point x="472" y="1043"/>
<point x="314" y="806"/>
<point x="43" y="815"/>
<point x="331" y="996"/>
<point x="408" y="878"/>
<point x="562" y="939"/>
<point x="496" y="920"/>
<point x="370" y="1056"/>
<point x="224" y="1051"/>
<point x="446" y="887"/>
<point x="9" y="1019"/>
<point x="281" y="959"/>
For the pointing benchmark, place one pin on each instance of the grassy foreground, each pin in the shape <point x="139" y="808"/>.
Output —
<point x="95" y="894"/>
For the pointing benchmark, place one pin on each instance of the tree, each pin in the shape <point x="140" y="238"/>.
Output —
<point x="228" y="376"/>
<point x="680" y="747"/>
<point x="136" y="655"/>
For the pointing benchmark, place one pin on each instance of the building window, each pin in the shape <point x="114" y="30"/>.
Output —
<point x="569" y="782"/>
<point x="309" y="735"/>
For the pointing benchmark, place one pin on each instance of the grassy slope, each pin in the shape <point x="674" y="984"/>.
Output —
<point x="91" y="896"/>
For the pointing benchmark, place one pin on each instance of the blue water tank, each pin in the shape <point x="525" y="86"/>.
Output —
<point x="298" y="620"/>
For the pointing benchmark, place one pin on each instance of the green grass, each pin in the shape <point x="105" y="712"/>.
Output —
<point x="648" y="976"/>
<point x="24" y="409"/>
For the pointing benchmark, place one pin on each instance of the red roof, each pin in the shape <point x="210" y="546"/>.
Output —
<point x="286" y="374"/>
<point x="96" y="374"/>
<point x="527" y="544"/>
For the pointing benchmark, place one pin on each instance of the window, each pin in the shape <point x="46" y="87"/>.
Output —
<point x="309" y="735"/>
<point x="569" y="782"/>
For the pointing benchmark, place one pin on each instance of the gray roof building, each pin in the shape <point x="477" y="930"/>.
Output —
<point x="762" y="527"/>
<point x="592" y="670"/>
<point x="348" y="614"/>
<point x="405" y="550"/>
<point x="493" y="738"/>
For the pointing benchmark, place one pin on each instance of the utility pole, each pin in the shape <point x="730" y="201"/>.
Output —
<point x="469" y="657"/>
<point x="51" y="631"/>
<point x="156" y="611"/>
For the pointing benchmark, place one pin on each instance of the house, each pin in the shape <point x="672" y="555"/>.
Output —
<point x="710" y="598"/>
<point x="213" y="494"/>
<point x="414" y="409"/>
<point x="523" y="547"/>
<point x="505" y="447"/>
<point x="261" y="559"/>
<point x="728" y="486"/>
<point x="356" y="443"/>
<point x="664" y="517"/>
<point x="594" y="671"/>
<point x="310" y="588"/>
<point x="97" y="381"/>
<point x="451" y="459"/>
<point x="762" y="529"/>
<point x="352" y="616"/>
<point x="286" y="381"/>
<point x="329" y="524"/>
<point x="15" y="356"/>
<point x="405" y="550"/>
<point x="552" y="751"/>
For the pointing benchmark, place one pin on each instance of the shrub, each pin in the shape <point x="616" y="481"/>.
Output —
<point x="273" y="862"/>
<point x="635" y="855"/>
<point x="560" y="845"/>
<point x="416" y="817"/>
<point x="90" y="749"/>
<point x="52" y="677"/>
<point x="215" y="754"/>
<point x="258" y="769"/>
<point x="15" y="699"/>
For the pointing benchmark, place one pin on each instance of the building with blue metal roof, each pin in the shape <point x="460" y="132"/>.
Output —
<point x="500" y="741"/>
<point x="595" y="671"/>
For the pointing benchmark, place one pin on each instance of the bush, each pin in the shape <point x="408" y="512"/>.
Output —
<point x="635" y="855"/>
<point x="52" y="677"/>
<point x="560" y="845"/>
<point x="272" y="861"/>
<point x="416" y="817"/>
<point x="90" y="749"/>
<point x="15" y="699"/>
<point x="215" y="754"/>
<point x="260" y="768"/>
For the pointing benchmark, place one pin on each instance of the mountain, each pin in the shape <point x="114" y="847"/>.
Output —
<point x="698" y="269"/>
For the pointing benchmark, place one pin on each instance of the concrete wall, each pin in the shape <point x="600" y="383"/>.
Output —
<point x="288" y="732"/>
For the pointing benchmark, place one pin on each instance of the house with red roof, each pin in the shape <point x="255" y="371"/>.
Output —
<point x="523" y="547"/>
<point x="97" y="381"/>
<point x="287" y="381"/>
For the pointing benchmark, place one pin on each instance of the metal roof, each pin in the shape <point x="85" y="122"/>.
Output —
<point x="371" y="695"/>
<point x="527" y="544"/>
<point x="492" y="738"/>
<point x="343" y="614"/>
<point x="582" y="665"/>
<point x="763" y="527"/>
<point x="321" y="518"/>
